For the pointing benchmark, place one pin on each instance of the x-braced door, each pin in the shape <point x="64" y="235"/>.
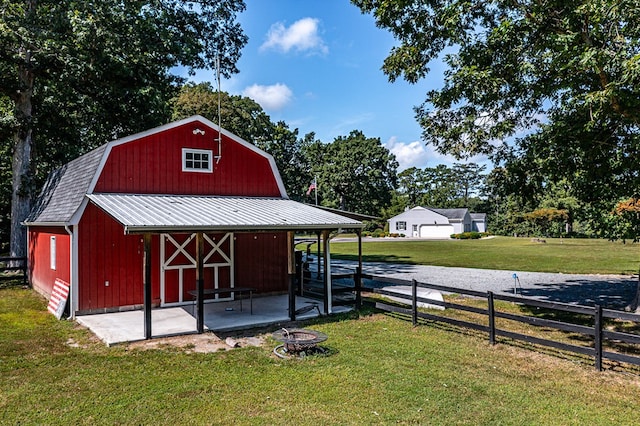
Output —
<point x="178" y="265"/>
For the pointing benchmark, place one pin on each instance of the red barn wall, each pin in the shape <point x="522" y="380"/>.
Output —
<point x="42" y="276"/>
<point x="153" y="165"/>
<point x="261" y="261"/>
<point x="107" y="254"/>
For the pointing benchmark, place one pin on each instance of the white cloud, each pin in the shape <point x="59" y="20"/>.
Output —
<point x="412" y="154"/>
<point x="274" y="97"/>
<point x="301" y="36"/>
<point x="418" y="154"/>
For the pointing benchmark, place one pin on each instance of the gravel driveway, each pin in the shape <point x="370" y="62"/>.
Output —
<point x="610" y="291"/>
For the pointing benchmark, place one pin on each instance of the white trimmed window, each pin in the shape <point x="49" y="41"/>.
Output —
<point x="401" y="226"/>
<point x="197" y="160"/>
<point x="52" y="252"/>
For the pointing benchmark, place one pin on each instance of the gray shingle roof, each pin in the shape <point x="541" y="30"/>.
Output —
<point x="451" y="213"/>
<point x="65" y="189"/>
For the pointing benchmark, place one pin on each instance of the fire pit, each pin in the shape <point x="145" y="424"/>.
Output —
<point x="298" y="342"/>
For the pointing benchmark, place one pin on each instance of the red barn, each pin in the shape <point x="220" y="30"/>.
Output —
<point x="141" y="221"/>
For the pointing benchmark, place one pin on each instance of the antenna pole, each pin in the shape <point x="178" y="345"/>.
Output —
<point x="219" y="156"/>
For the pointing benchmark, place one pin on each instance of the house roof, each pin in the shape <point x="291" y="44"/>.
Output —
<point x="62" y="197"/>
<point x="478" y="216"/>
<point x="140" y="213"/>
<point x="451" y="213"/>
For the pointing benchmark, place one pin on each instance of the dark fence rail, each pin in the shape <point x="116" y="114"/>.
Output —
<point x="595" y="332"/>
<point x="14" y="264"/>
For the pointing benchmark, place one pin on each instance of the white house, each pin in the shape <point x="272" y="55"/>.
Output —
<point x="426" y="222"/>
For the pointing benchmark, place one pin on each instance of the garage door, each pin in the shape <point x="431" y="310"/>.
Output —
<point x="436" y="231"/>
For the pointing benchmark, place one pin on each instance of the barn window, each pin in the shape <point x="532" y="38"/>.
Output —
<point x="52" y="252"/>
<point x="197" y="160"/>
<point x="401" y="226"/>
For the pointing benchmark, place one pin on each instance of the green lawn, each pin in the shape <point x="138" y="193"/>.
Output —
<point x="580" y="256"/>
<point x="381" y="371"/>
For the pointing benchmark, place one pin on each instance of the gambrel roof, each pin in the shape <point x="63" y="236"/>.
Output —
<point x="69" y="189"/>
<point x="65" y="189"/>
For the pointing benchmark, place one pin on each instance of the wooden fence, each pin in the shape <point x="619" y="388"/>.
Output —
<point x="597" y="333"/>
<point x="14" y="264"/>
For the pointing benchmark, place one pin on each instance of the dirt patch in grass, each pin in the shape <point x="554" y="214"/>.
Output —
<point x="199" y="343"/>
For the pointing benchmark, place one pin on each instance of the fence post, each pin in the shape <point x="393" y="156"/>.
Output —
<point x="25" y="267"/>
<point x="414" y="302"/>
<point x="492" y="320"/>
<point x="598" y="337"/>
<point x="358" y="284"/>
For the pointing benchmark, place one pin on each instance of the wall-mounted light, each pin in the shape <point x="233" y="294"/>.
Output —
<point x="197" y="131"/>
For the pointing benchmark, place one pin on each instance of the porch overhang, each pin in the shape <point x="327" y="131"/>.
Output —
<point x="149" y="214"/>
<point x="145" y="213"/>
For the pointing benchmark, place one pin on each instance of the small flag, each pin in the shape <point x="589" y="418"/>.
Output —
<point x="311" y="188"/>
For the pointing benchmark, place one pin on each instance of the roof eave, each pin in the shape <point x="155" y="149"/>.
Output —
<point x="152" y="229"/>
<point x="61" y="224"/>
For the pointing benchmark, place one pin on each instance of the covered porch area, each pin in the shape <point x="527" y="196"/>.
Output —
<point x="150" y="215"/>
<point x="123" y="327"/>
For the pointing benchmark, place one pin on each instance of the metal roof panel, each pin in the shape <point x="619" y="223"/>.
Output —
<point x="159" y="213"/>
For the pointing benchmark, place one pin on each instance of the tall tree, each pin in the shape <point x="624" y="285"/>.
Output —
<point x="355" y="173"/>
<point x="411" y="185"/>
<point x="469" y="180"/>
<point x="441" y="187"/>
<point x="78" y="73"/>
<point x="240" y="115"/>
<point x="288" y="151"/>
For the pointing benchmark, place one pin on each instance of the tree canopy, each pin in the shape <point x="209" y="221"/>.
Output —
<point x="354" y="173"/>
<point x="76" y="74"/>
<point x="512" y="62"/>
<point x="561" y="78"/>
<point x="240" y="115"/>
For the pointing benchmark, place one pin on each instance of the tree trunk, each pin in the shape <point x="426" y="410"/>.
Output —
<point x="22" y="182"/>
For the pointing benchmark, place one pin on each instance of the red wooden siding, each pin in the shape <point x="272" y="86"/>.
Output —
<point x="42" y="276"/>
<point x="153" y="165"/>
<point x="261" y="261"/>
<point x="107" y="254"/>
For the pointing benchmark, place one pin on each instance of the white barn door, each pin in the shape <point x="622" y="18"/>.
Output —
<point x="178" y="265"/>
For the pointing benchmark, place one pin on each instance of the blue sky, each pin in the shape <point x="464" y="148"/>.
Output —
<point x="315" y="64"/>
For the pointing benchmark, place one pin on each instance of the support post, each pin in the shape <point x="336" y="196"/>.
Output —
<point x="358" y="276"/>
<point x="146" y="261"/>
<point x="199" y="282"/>
<point x="291" y="274"/>
<point x="318" y="270"/>
<point x="598" y="337"/>
<point x="492" y="319"/>
<point x="414" y="302"/>
<point x="299" y="272"/>
<point x="328" y="296"/>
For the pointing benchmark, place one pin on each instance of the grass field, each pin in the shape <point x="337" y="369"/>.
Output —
<point x="579" y="256"/>
<point x="380" y="371"/>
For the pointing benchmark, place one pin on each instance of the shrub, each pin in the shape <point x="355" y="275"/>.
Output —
<point x="469" y="235"/>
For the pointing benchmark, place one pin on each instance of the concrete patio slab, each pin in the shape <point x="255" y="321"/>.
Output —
<point x="122" y="327"/>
